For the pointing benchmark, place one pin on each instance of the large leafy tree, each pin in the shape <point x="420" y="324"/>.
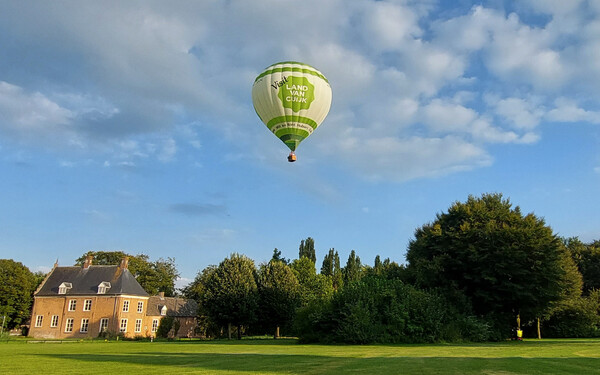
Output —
<point x="17" y="284"/>
<point x="279" y="294"/>
<point x="504" y="262"/>
<point x="230" y="294"/>
<point x="153" y="276"/>
<point x="307" y="249"/>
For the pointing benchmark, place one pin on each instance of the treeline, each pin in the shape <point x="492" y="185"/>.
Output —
<point x="473" y="274"/>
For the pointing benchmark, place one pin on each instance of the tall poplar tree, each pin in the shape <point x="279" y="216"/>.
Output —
<point x="307" y="249"/>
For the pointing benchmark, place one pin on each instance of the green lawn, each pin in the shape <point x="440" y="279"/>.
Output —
<point x="288" y="357"/>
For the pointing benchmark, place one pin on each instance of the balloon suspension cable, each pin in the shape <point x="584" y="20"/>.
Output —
<point x="292" y="157"/>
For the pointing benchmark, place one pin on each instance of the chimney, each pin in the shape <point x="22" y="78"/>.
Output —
<point x="124" y="263"/>
<point x="161" y="295"/>
<point x="88" y="261"/>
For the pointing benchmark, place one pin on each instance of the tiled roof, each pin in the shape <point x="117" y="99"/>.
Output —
<point x="175" y="306"/>
<point x="85" y="281"/>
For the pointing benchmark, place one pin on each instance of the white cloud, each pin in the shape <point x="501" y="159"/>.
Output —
<point x="25" y="115"/>
<point x="446" y="117"/>
<point x="123" y="77"/>
<point x="403" y="159"/>
<point x="567" y="110"/>
<point x="520" y="113"/>
<point x="387" y="26"/>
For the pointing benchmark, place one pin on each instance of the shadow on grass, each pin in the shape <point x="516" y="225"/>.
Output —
<point x="215" y="363"/>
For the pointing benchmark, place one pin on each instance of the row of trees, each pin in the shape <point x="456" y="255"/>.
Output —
<point x="471" y="274"/>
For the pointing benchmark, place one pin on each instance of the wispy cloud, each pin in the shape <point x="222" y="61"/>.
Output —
<point x="195" y="209"/>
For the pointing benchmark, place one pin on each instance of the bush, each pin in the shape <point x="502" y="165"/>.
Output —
<point x="165" y="326"/>
<point x="386" y="311"/>
<point x="577" y="317"/>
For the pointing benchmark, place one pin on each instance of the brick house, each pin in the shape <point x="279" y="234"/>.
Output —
<point x="82" y="302"/>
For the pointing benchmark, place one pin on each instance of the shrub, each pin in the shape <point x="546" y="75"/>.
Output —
<point x="386" y="311"/>
<point x="577" y="317"/>
<point x="165" y="326"/>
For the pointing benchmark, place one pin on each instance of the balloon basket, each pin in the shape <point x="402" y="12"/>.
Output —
<point x="292" y="157"/>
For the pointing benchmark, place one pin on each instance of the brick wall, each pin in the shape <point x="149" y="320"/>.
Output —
<point x="87" y="314"/>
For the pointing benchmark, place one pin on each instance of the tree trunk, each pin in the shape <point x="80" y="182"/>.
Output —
<point x="239" y="331"/>
<point x="229" y="330"/>
<point x="276" y="333"/>
<point x="539" y="330"/>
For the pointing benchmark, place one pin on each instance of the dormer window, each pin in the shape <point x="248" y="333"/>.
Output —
<point x="163" y="311"/>
<point x="64" y="287"/>
<point x="103" y="287"/>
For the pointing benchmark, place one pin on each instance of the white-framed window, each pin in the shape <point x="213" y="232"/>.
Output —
<point x="54" y="321"/>
<point x="163" y="311"/>
<point x="87" y="305"/>
<point x="103" y="324"/>
<point x="69" y="325"/>
<point x="140" y="308"/>
<point x="138" y="325"/>
<point x="85" y="324"/>
<point x="72" y="304"/>
<point x="39" y="320"/>
<point x="126" y="306"/>
<point x="123" y="326"/>
<point x="103" y="287"/>
<point x="63" y="288"/>
<point x="154" y="325"/>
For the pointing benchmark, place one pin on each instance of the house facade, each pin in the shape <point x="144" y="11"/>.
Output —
<point x="83" y="302"/>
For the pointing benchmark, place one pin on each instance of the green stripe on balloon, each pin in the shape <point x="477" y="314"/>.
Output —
<point x="292" y="140"/>
<point x="292" y="131"/>
<point x="280" y="119"/>
<point x="293" y="70"/>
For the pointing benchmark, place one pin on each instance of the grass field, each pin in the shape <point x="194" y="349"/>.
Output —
<point x="288" y="357"/>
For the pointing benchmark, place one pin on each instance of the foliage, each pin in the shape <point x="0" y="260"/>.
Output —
<point x="331" y="267"/>
<point x="279" y="293"/>
<point x="165" y="326"/>
<point x="312" y="286"/>
<point x="17" y="285"/>
<point x="577" y="317"/>
<point x="154" y="277"/>
<point x="505" y="263"/>
<point x="277" y="257"/>
<point x="587" y="259"/>
<point x="230" y="293"/>
<point x="307" y="249"/>
<point x="386" y="269"/>
<point x="353" y="269"/>
<point x="378" y="310"/>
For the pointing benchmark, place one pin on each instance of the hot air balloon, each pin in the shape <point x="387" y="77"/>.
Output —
<point x="292" y="99"/>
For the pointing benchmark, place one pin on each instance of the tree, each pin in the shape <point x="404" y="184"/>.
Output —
<point x="313" y="287"/>
<point x="277" y="257"/>
<point x="17" y="284"/>
<point x="307" y="249"/>
<point x="331" y="267"/>
<point x="154" y="277"/>
<point x="504" y="262"/>
<point x="352" y="271"/>
<point x="587" y="259"/>
<point x="279" y="294"/>
<point x="230" y="293"/>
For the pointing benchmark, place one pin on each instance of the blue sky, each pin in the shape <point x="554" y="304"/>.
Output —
<point x="129" y="125"/>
